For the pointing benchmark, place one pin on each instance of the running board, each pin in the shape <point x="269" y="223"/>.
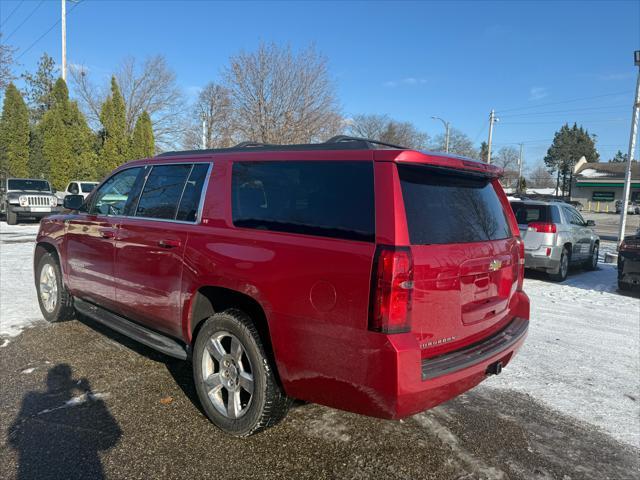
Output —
<point x="155" y="340"/>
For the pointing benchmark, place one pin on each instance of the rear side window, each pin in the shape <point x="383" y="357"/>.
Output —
<point x="445" y="207"/>
<point x="329" y="199"/>
<point x="162" y="191"/>
<point x="188" y="209"/>
<point x="527" y="213"/>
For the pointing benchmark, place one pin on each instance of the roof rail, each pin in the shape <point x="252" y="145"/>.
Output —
<point x="339" y="142"/>
<point x="346" y="138"/>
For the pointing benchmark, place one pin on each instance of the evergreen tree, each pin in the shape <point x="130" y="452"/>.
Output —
<point x="39" y="87"/>
<point x="569" y="145"/>
<point x="619" y="157"/>
<point x="66" y="140"/>
<point x="115" y="145"/>
<point x="14" y="135"/>
<point x="142" y="143"/>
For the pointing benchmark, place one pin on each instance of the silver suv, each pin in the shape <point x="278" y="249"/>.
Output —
<point x="555" y="235"/>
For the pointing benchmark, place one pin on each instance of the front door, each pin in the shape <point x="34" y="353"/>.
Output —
<point x="91" y="238"/>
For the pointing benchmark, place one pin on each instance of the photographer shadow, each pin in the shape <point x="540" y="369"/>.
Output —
<point x="60" y="432"/>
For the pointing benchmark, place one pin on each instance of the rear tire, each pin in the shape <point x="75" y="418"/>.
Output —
<point x="563" y="268"/>
<point x="624" y="286"/>
<point x="592" y="263"/>
<point x="56" y="304"/>
<point x="234" y="377"/>
<point x="12" y="217"/>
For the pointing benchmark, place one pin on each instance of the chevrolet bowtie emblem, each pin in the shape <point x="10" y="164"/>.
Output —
<point x="495" y="265"/>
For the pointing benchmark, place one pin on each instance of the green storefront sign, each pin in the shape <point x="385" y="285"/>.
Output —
<point x="603" y="196"/>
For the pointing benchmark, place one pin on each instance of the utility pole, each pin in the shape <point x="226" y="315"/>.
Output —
<point x="492" y="120"/>
<point x="520" y="161"/>
<point x="632" y="147"/>
<point x="446" y="135"/>
<point x="64" y="40"/>
<point x="204" y="131"/>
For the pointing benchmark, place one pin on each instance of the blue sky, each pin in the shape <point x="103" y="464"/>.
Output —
<point x="410" y="60"/>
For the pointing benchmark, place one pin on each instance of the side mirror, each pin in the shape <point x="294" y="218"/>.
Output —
<point x="73" y="202"/>
<point x="591" y="223"/>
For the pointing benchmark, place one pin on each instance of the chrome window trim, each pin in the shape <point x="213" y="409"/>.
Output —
<point x="205" y="187"/>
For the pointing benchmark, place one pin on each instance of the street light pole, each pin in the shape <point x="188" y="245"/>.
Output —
<point x="64" y="39"/>
<point x="520" y="160"/>
<point x="446" y="135"/>
<point x="492" y="120"/>
<point x="632" y="147"/>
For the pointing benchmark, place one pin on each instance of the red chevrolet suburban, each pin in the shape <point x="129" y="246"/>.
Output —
<point x="353" y="273"/>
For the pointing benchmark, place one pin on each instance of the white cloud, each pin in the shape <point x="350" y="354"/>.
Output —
<point x="537" y="93"/>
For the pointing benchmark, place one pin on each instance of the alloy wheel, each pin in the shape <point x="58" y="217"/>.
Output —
<point x="48" y="287"/>
<point x="227" y="375"/>
<point x="594" y="258"/>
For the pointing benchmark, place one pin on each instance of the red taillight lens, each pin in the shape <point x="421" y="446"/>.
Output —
<point x="542" y="227"/>
<point x="520" y="263"/>
<point x="391" y="288"/>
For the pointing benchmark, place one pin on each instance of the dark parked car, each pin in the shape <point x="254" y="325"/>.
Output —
<point x="354" y="274"/>
<point x="629" y="262"/>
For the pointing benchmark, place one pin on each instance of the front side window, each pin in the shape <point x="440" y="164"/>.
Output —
<point x="328" y="199"/>
<point x="73" y="188"/>
<point x="451" y="207"/>
<point x="113" y="195"/>
<point x="162" y="191"/>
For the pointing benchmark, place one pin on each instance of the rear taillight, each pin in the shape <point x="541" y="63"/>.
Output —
<point x="542" y="227"/>
<point x="391" y="288"/>
<point x="520" y="264"/>
<point x="628" y="246"/>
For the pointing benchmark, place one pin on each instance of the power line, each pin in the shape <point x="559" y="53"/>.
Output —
<point x="582" y="121"/>
<point x="527" y="107"/>
<point x="24" y="52"/>
<point x="549" y="112"/>
<point x="12" y="12"/>
<point x="25" y="20"/>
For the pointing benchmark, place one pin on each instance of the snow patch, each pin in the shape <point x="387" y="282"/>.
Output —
<point x="28" y="370"/>
<point x="592" y="173"/>
<point x="18" y="301"/>
<point x="582" y="355"/>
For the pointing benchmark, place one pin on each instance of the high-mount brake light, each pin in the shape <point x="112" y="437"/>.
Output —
<point x="391" y="290"/>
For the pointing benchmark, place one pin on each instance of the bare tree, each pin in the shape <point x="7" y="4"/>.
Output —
<point x="539" y="177"/>
<point x="507" y="158"/>
<point x="148" y="86"/>
<point x="6" y="62"/>
<point x="381" y="127"/>
<point x="279" y="96"/>
<point x="214" y="108"/>
<point x="459" y="144"/>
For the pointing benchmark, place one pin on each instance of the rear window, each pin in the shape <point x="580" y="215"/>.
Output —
<point x="445" y="207"/>
<point x="329" y="199"/>
<point x="526" y="213"/>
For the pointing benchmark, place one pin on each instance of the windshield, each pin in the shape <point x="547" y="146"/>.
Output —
<point x="87" y="187"/>
<point x="25" y="184"/>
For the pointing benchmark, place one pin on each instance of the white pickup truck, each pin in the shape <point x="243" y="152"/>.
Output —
<point x="77" y="187"/>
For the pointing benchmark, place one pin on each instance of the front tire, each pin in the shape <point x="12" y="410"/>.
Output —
<point x="12" y="217"/>
<point x="592" y="263"/>
<point x="234" y="377"/>
<point x="56" y="304"/>
<point x="563" y="268"/>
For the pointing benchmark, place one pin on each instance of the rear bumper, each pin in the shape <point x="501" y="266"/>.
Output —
<point x="544" y="258"/>
<point x="385" y="376"/>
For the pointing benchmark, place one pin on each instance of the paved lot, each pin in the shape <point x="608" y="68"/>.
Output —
<point x="142" y="420"/>
<point x="607" y="224"/>
<point x="80" y="401"/>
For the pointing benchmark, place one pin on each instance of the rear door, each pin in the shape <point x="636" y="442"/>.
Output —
<point x="151" y="243"/>
<point x="465" y="256"/>
<point x="580" y="234"/>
